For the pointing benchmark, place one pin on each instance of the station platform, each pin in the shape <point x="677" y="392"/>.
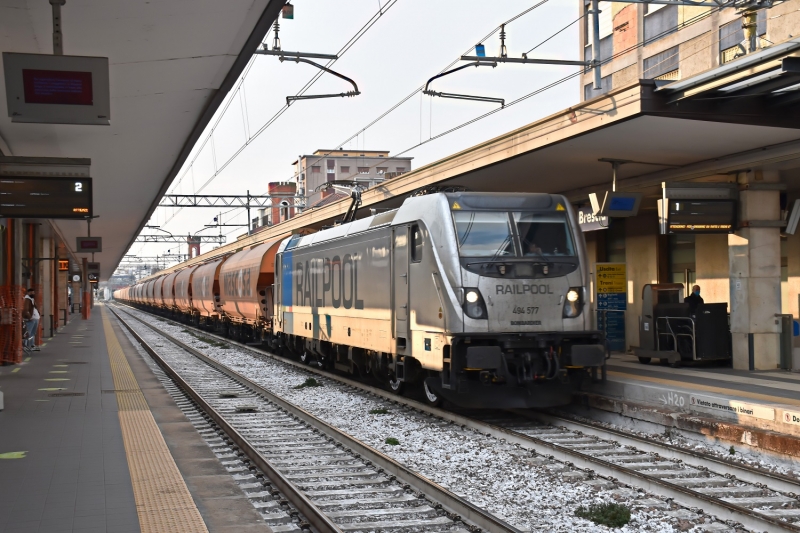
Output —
<point x="90" y="441"/>
<point x="759" y="409"/>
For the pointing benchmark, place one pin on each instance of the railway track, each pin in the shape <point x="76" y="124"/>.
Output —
<point x="335" y="482"/>
<point x="735" y="493"/>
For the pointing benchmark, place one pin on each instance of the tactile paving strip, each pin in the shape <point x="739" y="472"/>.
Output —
<point x="163" y="501"/>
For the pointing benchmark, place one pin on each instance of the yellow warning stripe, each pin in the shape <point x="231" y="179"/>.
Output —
<point x="163" y="501"/>
<point x="709" y="388"/>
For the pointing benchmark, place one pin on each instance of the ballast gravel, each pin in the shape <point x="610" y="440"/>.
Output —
<point x="528" y="491"/>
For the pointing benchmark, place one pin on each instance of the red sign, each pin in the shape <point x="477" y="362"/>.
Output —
<point x="57" y="87"/>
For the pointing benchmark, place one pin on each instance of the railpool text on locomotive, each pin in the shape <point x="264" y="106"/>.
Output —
<point x="328" y="279"/>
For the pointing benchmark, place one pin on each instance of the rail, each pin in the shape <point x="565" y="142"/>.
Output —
<point x="724" y="510"/>
<point x="450" y="501"/>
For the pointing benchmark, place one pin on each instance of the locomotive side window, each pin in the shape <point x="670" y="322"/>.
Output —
<point x="483" y="233"/>
<point x="544" y="234"/>
<point x="416" y="244"/>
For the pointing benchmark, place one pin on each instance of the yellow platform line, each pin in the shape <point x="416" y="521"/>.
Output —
<point x="163" y="501"/>
<point x="709" y="388"/>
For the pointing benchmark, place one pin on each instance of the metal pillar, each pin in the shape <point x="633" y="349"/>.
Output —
<point x="58" y="43"/>
<point x="595" y="11"/>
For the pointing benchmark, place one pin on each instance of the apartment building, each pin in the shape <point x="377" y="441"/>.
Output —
<point x="369" y="167"/>
<point x="671" y="42"/>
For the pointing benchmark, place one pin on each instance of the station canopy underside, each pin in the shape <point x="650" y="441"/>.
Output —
<point x="742" y="115"/>
<point x="171" y="63"/>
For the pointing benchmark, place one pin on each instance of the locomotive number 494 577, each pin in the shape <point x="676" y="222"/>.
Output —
<point x="526" y="310"/>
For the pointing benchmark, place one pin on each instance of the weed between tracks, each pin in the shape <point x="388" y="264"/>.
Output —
<point x="210" y="342"/>
<point x="392" y="441"/>
<point x="606" y="514"/>
<point x="310" y="382"/>
<point x="380" y="411"/>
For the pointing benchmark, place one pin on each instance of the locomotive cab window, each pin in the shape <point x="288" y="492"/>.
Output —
<point x="416" y="244"/>
<point x="544" y="234"/>
<point x="483" y="233"/>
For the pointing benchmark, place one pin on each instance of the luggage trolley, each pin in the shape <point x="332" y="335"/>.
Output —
<point x="668" y="331"/>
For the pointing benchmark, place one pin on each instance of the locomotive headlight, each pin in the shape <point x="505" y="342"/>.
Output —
<point x="473" y="304"/>
<point x="573" y="305"/>
<point x="572" y="295"/>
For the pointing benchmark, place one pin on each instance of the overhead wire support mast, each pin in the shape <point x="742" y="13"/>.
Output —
<point x="300" y="57"/>
<point x="233" y="200"/>
<point x="181" y="239"/>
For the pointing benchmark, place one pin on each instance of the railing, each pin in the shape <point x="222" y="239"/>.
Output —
<point x="676" y="327"/>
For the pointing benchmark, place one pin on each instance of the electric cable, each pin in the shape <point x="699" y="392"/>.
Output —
<point x="347" y="46"/>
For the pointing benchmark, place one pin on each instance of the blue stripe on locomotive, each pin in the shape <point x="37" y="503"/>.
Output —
<point x="287" y="285"/>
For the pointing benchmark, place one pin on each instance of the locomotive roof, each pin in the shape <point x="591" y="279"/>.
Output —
<point x="468" y="200"/>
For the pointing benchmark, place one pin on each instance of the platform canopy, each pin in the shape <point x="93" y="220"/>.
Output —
<point x="732" y="118"/>
<point x="171" y="64"/>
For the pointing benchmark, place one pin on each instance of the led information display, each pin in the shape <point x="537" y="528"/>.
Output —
<point x="30" y="197"/>
<point x="701" y="216"/>
<point x="57" y="87"/>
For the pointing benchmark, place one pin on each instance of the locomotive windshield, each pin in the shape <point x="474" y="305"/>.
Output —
<point x="543" y="234"/>
<point x="491" y="234"/>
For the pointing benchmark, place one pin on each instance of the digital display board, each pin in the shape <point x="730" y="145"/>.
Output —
<point x="57" y="87"/>
<point x="88" y="245"/>
<point x="33" y="197"/>
<point x="701" y="216"/>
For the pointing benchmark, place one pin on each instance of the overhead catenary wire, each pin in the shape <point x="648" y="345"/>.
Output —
<point x="545" y="88"/>
<point x="347" y="46"/>
<point x="344" y="49"/>
<point x="518" y="100"/>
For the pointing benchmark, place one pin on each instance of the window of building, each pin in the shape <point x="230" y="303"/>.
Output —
<point x="416" y="244"/>
<point x="331" y="164"/>
<point x="316" y="170"/>
<point x="660" y="23"/>
<point x="344" y="170"/>
<point x="660" y="64"/>
<point x="731" y="36"/>
<point x="589" y="92"/>
<point x="381" y="171"/>
<point x="400" y="169"/>
<point x="363" y="170"/>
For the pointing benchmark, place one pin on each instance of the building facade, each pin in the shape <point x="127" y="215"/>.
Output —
<point x="368" y="167"/>
<point x="671" y="42"/>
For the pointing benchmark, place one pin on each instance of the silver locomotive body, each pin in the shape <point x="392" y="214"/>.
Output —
<point x="481" y="296"/>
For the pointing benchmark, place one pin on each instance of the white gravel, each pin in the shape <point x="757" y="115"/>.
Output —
<point x="488" y="472"/>
<point x="742" y="454"/>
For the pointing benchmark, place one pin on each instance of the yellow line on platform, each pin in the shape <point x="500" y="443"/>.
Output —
<point x="709" y="388"/>
<point x="163" y="501"/>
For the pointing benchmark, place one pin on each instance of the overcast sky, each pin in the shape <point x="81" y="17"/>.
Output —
<point x="412" y="41"/>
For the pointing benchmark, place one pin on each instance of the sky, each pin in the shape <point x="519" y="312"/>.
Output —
<point x="411" y="41"/>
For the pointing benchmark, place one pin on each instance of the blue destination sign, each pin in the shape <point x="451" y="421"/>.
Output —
<point x="612" y="301"/>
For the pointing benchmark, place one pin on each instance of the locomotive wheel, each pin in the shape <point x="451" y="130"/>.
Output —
<point x="396" y="386"/>
<point x="431" y="398"/>
<point x="644" y="360"/>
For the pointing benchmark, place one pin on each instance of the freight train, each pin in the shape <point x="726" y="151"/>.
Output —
<point x="479" y="298"/>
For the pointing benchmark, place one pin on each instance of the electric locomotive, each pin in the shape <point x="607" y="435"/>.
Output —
<point x="481" y="297"/>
